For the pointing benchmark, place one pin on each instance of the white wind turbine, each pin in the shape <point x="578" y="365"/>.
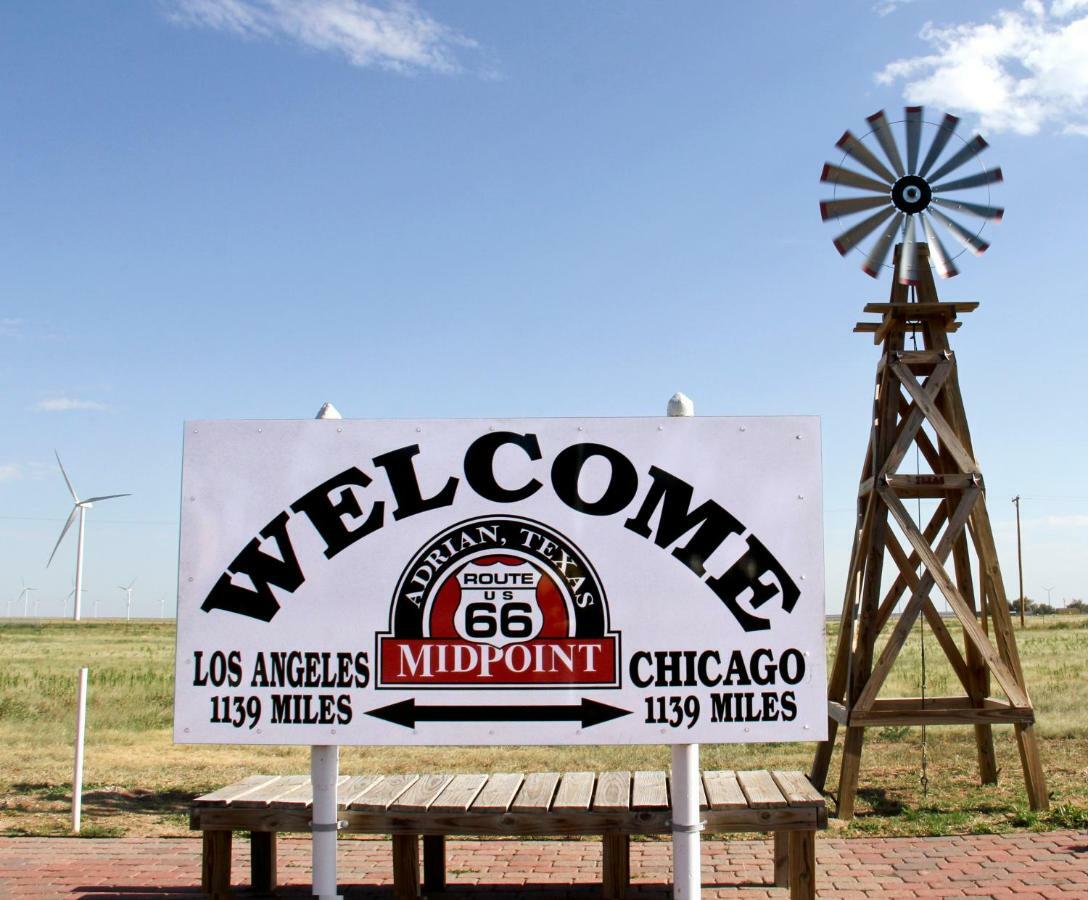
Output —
<point x="80" y="507"/>
<point x="24" y="595"/>
<point x="128" y="598"/>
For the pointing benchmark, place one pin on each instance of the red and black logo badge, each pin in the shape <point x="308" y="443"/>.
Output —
<point x="498" y="601"/>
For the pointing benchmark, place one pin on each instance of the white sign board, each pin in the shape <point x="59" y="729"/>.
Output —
<point x="518" y="581"/>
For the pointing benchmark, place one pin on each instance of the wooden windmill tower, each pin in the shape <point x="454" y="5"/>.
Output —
<point x="920" y="452"/>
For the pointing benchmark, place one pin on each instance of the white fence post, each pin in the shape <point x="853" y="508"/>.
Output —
<point x="77" y="771"/>
<point x="686" y="826"/>
<point x="324" y="774"/>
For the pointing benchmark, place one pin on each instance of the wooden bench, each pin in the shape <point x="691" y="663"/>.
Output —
<point x="615" y="805"/>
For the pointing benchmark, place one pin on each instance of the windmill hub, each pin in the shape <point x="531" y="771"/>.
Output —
<point x="911" y="194"/>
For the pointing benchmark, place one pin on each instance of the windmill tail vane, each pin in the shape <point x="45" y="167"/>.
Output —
<point x="908" y="193"/>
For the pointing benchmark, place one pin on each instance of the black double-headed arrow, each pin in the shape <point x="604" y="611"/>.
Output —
<point x="588" y="712"/>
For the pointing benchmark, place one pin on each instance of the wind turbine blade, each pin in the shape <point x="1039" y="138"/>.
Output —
<point x="946" y="268"/>
<point x="834" y="209"/>
<point x="853" y="236"/>
<point x="969" y="151"/>
<point x="993" y="213"/>
<point x="908" y="256"/>
<point x="874" y="262"/>
<point x="849" y="178"/>
<point x="982" y="178"/>
<point x="914" y="137"/>
<point x="940" y="139"/>
<point x="851" y="146"/>
<point x="105" y="497"/>
<point x="883" y="133"/>
<point x="63" y="532"/>
<point x="971" y="241"/>
<point x="67" y="481"/>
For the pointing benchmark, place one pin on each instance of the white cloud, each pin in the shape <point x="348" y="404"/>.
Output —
<point x="394" y="35"/>
<point x="11" y="327"/>
<point x="1070" y="521"/>
<point x="887" y="7"/>
<point x="67" y="404"/>
<point x="1025" y="69"/>
<point x="23" y="471"/>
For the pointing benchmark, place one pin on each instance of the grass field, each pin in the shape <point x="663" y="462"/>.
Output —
<point x="138" y="782"/>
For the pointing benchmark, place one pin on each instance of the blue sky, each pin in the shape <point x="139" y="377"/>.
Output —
<point x="243" y="208"/>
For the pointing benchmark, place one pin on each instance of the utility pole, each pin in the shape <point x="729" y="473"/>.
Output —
<point x="1019" y="558"/>
<point x="1048" y="590"/>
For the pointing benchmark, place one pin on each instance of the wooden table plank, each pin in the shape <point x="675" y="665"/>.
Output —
<point x="382" y="794"/>
<point x="458" y="795"/>
<point x="536" y="792"/>
<point x="760" y="789"/>
<point x="699" y="785"/>
<point x="499" y="793"/>
<point x="575" y="791"/>
<point x="271" y="792"/>
<point x="353" y="790"/>
<point x="423" y="792"/>
<point x="302" y="796"/>
<point x="230" y="792"/>
<point x="723" y="791"/>
<point x="649" y="790"/>
<point x="797" y="789"/>
<point x="613" y="792"/>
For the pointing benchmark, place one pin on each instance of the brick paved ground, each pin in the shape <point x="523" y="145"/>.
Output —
<point x="1019" y="865"/>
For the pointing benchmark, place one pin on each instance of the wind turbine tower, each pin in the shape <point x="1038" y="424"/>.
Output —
<point x="128" y="598"/>
<point x="79" y="508"/>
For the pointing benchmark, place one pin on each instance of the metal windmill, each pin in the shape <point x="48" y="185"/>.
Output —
<point x="79" y="508"/>
<point x="900" y="562"/>
<point x="910" y="199"/>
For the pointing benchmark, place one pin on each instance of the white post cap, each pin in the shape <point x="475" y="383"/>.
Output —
<point x="681" y="405"/>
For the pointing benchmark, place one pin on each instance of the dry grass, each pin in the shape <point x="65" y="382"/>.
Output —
<point x="139" y="782"/>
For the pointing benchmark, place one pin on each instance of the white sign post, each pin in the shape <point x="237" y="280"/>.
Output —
<point x="77" y="768"/>
<point x="324" y="775"/>
<point x="686" y="826"/>
<point x="517" y="581"/>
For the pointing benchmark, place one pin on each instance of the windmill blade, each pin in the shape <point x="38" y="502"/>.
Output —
<point x="908" y="256"/>
<point x="971" y="241"/>
<point x="914" y="137"/>
<point x="969" y="151"/>
<point x="874" y="262"/>
<point x="982" y="178"/>
<point x="993" y="213"/>
<point x="839" y="175"/>
<point x="946" y="268"/>
<point x="883" y="133"/>
<point x="63" y="532"/>
<point x="105" y="497"/>
<point x="940" y="140"/>
<point x="853" y="236"/>
<point x="67" y="481"/>
<point x="835" y="209"/>
<point x="851" y="146"/>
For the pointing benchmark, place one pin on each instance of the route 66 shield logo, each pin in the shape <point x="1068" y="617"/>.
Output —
<point x="498" y="602"/>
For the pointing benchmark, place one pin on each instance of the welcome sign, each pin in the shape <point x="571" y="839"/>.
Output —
<point x="519" y="581"/>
